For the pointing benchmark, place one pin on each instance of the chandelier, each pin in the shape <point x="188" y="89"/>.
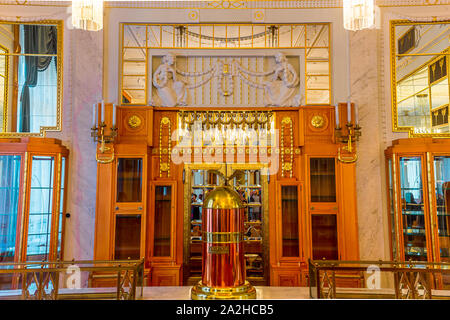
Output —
<point x="87" y="14"/>
<point x="359" y="14"/>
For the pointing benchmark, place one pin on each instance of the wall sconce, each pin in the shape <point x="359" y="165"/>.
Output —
<point x="99" y="135"/>
<point x="348" y="136"/>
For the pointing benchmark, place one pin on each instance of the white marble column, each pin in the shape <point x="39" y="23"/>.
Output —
<point x="83" y="87"/>
<point x="369" y="168"/>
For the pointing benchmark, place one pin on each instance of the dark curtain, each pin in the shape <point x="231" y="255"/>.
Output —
<point x="37" y="40"/>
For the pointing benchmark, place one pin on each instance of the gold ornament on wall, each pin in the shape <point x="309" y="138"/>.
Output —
<point x="134" y="121"/>
<point x="286" y="124"/>
<point x="165" y="166"/>
<point x="317" y="121"/>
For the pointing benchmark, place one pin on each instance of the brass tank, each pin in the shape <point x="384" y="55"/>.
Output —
<point x="223" y="264"/>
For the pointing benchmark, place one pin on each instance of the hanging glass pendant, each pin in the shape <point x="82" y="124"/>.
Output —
<point x="87" y="14"/>
<point x="359" y="14"/>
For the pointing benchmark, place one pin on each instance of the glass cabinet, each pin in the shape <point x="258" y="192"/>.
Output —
<point x="202" y="182"/>
<point x="289" y="217"/>
<point x="324" y="237"/>
<point x="250" y="187"/>
<point x="33" y="180"/>
<point x="128" y="237"/>
<point x="289" y="221"/>
<point x="413" y="208"/>
<point x="442" y="195"/>
<point x="322" y="179"/>
<point x="323" y="208"/>
<point x="10" y="178"/>
<point x="162" y="221"/>
<point x="129" y="180"/>
<point x="163" y="217"/>
<point x="418" y="179"/>
<point x="129" y="206"/>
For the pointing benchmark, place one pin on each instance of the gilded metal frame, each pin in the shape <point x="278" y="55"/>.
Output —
<point x="59" y="56"/>
<point x="221" y="167"/>
<point x="412" y="279"/>
<point x="45" y="275"/>
<point x="302" y="46"/>
<point x="5" y="93"/>
<point x="394" y="81"/>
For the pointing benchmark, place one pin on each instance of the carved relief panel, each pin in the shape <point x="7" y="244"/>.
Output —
<point x="227" y="80"/>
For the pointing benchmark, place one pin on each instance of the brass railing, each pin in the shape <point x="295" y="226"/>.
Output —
<point x="411" y="279"/>
<point x="45" y="280"/>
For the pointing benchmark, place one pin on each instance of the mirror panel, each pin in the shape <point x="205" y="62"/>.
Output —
<point x="420" y="86"/>
<point x="30" y="78"/>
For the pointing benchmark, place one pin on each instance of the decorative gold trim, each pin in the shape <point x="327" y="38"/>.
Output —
<point x="5" y="94"/>
<point x="303" y="46"/>
<point x="317" y="121"/>
<point x="287" y="150"/>
<point x="60" y="65"/>
<point x="165" y="166"/>
<point x="202" y="292"/>
<point x="134" y="121"/>
<point x="253" y="5"/>
<point x="347" y="159"/>
<point x="394" y="102"/>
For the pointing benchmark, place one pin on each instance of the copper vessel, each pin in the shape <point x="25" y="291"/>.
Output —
<point x="223" y="264"/>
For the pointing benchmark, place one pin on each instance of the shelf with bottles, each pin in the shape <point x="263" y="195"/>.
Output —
<point x="253" y="204"/>
<point x="444" y="252"/>
<point x="253" y="187"/>
<point x="252" y="239"/>
<point x="258" y="222"/>
<point x="412" y="207"/>
<point x="444" y="214"/>
<point x="195" y="265"/>
<point x="415" y="232"/>
<point x="416" y="251"/>
<point x="206" y="186"/>
<point x="253" y="262"/>
<point x="415" y="256"/>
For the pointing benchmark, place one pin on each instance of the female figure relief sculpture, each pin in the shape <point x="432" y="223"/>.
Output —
<point x="282" y="88"/>
<point x="171" y="91"/>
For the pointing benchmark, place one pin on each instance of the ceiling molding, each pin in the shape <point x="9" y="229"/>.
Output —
<point x="230" y="4"/>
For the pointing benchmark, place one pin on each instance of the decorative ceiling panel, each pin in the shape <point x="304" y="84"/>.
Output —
<point x="230" y="4"/>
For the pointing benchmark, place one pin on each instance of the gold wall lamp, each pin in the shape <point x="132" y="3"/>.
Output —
<point x="348" y="137"/>
<point x="98" y="133"/>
